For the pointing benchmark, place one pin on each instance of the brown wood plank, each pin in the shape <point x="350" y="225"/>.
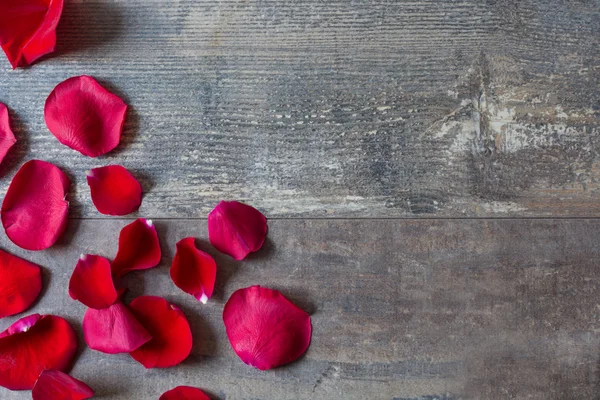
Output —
<point x="476" y="309"/>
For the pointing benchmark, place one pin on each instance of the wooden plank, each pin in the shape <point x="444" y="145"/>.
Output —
<point x="477" y="309"/>
<point x="381" y="108"/>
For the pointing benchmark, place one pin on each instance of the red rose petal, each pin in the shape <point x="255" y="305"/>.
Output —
<point x="20" y="284"/>
<point x="34" y="211"/>
<point x="32" y="345"/>
<point x="264" y="328"/>
<point x="28" y="29"/>
<point x="85" y="116"/>
<point x="171" y="335"/>
<point x="92" y="282"/>
<point x="138" y="248"/>
<point x="114" y="190"/>
<point x="236" y="229"/>
<point x="113" y="330"/>
<point x="56" y="385"/>
<point x="7" y="138"/>
<point x="184" y="393"/>
<point x="193" y="270"/>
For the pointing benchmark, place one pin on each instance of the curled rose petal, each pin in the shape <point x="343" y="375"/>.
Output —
<point x="32" y="345"/>
<point x="7" y="138"/>
<point x="171" y="335"/>
<point x="236" y="229"/>
<point x="193" y="270"/>
<point x="28" y="29"/>
<point x="92" y="282"/>
<point x="264" y="328"/>
<point x="113" y="330"/>
<point x="184" y="393"/>
<point x="56" y="385"/>
<point x="20" y="284"/>
<point x="138" y="248"/>
<point x="84" y="116"/>
<point x="114" y="190"/>
<point x="34" y="211"/>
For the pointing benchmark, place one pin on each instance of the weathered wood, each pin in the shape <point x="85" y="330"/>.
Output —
<point x="478" y="309"/>
<point x="383" y="108"/>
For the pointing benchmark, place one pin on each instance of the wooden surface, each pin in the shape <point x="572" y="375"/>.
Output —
<point x="430" y="170"/>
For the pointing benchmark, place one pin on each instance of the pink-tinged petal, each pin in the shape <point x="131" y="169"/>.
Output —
<point x="34" y="211"/>
<point x="236" y="229"/>
<point x="32" y="345"/>
<point x="171" y="335"/>
<point x="85" y="116"/>
<point x="7" y="138"/>
<point x="92" y="282"/>
<point x="193" y="270"/>
<point x="114" y="190"/>
<point x="113" y="330"/>
<point x="139" y="248"/>
<point x="20" y="284"/>
<point x="264" y="328"/>
<point x="56" y="385"/>
<point x="184" y="393"/>
<point x="28" y="29"/>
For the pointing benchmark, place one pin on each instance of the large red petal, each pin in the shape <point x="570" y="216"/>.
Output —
<point x="113" y="330"/>
<point x="28" y="29"/>
<point x="236" y="229"/>
<point x="193" y="270"/>
<point x="32" y="345"/>
<point x="20" y="284"/>
<point x="184" y="393"/>
<point x="114" y="190"/>
<point x="92" y="282"/>
<point x="7" y="138"/>
<point x="56" y="385"/>
<point x="171" y="335"/>
<point x="85" y="116"/>
<point x="264" y="328"/>
<point x="34" y="211"/>
<point x="138" y="248"/>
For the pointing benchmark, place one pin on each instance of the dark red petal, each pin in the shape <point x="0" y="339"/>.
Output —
<point x="92" y="282"/>
<point x="34" y="211"/>
<point x="193" y="270"/>
<point x="28" y="29"/>
<point x="264" y="328"/>
<point x="184" y="393"/>
<point x="236" y="229"/>
<point x="56" y="385"/>
<point x="85" y="116"/>
<point x="7" y="138"/>
<point x="138" y="248"/>
<point x="20" y="284"/>
<point x="32" y="345"/>
<point x="171" y="335"/>
<point x="113" y="330"/>
<point x="114" y="190"/>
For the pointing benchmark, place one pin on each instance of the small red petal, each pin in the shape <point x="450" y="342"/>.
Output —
<point x="171" y="335"/>
<point x="7" y="138"/>
<point x="236" y="229"/>
<point x="28" y="29"/>
<point x="56" y="385"/>
<point x="32" y="345"/>
<point x="92" y="282"/>
<point x="138" y="248"/>
<point x="113" y="330"/>
<point x="193" y="270"/>
<point x="85" y="116"/>
<point x="20" y="284"/>
<point x="34" y="211"/>
<point x="264" y="328"/>
<point x="184" y="393"/>
<point x="114" y="190"/>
